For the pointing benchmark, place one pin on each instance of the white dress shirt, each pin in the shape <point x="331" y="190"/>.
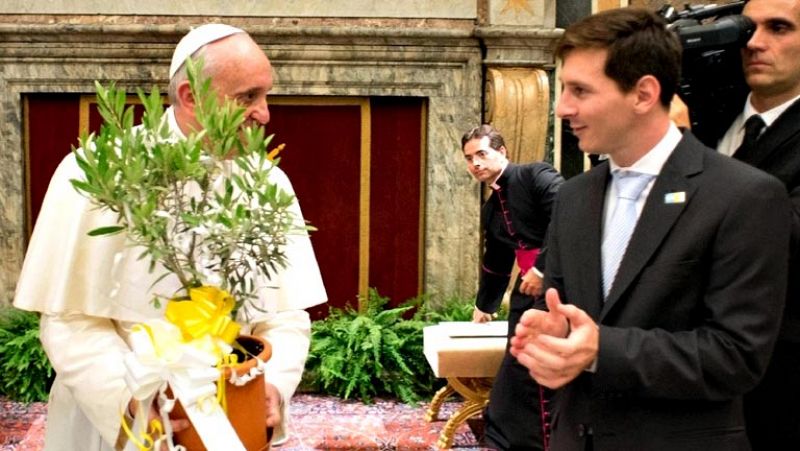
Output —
<point x="732" y="138"/>
<point x="650" y="163"/>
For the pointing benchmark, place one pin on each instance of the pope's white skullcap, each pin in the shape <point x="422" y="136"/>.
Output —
<point x="198" y="37"/>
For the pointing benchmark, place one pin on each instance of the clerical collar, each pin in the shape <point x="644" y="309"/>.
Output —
<point x="500" y="181"/>
<point x="173" y="123"/>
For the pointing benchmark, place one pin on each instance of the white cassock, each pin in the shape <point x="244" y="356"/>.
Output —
<point x="92" y="290"/>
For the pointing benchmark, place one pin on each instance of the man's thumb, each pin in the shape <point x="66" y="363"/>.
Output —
<point x="552" y="299"/>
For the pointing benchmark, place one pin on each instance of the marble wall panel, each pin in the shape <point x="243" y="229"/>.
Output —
<point x="528" y="13"/>
<point x="260" y="8"/>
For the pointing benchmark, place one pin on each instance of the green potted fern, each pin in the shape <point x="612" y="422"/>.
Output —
<point x="25" y="372"/>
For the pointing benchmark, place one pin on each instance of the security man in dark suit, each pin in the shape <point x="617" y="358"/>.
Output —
<point x="771" y="63"/>
<point x="666" y="265"/>
<point x="515" y="220"/>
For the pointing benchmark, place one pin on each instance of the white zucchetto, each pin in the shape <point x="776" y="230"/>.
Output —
<point x="198" y="37"/>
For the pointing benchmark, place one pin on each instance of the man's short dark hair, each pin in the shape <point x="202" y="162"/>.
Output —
<point x="638" y="44"/>
<point x="495" y="138"/>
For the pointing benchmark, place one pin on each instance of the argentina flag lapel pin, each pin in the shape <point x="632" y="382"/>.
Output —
<point x="678" y="197"/>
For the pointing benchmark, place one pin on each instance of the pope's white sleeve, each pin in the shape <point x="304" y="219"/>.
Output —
<point x="289" y="334"/>
<point x="86" y="353"/>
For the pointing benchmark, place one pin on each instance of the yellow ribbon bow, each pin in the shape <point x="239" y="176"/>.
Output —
<point x="207" y="312"/>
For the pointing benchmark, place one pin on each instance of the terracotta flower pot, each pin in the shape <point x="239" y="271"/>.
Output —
<point x="247" y="404"/>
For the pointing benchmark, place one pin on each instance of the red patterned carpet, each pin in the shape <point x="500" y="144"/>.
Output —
<point x="320" y="423"/>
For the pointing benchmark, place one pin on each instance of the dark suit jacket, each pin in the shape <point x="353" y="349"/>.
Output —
<point x="778" y="153"/>
<point x="693" y="313"/>
<point x="530" y="190"/>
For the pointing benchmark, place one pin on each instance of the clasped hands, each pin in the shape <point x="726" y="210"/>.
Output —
<point x="556" y="345"/>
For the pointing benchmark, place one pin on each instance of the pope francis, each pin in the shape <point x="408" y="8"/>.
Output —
<point x="91" y="290"/>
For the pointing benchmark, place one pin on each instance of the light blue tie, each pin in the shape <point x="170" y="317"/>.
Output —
<point x="620" y="226"/>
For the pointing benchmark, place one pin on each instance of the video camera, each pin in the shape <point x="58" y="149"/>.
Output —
<point x="712" y="81"/>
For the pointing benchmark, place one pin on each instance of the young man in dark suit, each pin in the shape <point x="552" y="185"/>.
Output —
<point x="666" y="299"/>
<point x="515" y="219"/>
<point x="771" y="61"/>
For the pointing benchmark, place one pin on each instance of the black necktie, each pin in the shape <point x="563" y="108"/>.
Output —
<point x="752" y="129"/>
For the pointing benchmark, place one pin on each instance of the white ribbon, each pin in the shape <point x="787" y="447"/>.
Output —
<point x="159" y="357"/>
<point x="254" y="372"/>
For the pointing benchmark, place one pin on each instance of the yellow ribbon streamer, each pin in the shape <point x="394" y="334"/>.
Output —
<point x="227" y="360"/>
<point x="146" y="443"/>
<point x="207" y="312"/>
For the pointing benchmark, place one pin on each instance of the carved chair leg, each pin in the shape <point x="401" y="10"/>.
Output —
<point x="476" y="394"/>
<point x="436" y="403"/>
<point x="461" y="415"/>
